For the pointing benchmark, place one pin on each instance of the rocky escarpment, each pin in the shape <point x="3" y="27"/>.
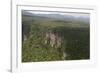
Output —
<point x="55" y="41"/>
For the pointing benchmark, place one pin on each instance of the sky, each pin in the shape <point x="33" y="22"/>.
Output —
<point x="61" y="13"/>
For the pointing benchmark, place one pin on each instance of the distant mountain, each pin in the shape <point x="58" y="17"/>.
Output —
<point x="26" y="13"/>
<point x="84" y="19"/>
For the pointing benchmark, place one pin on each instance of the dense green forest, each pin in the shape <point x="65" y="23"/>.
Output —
<point x="45" y="39"/>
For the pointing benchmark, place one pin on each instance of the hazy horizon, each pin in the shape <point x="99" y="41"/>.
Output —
<point x="76" y="14"/>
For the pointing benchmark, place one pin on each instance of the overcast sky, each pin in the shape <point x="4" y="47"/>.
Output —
<point x="61" y="13"/>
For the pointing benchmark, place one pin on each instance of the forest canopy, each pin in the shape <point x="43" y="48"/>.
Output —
<point x="45" y="38"/>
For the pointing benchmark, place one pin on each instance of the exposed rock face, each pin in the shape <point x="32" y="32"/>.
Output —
<point x="53" y="39"/>
<point x="47" y="38"/>
<point x="58" y="42"/>
<point x="24" y="38"/>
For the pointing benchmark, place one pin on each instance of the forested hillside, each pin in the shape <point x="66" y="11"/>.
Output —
<point x="51" y="39"/>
